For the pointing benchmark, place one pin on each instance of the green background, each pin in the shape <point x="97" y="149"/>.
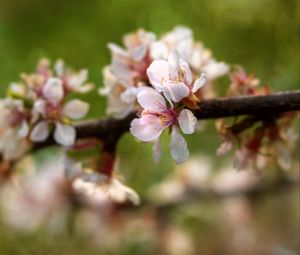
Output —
<point x="262" y="35"/>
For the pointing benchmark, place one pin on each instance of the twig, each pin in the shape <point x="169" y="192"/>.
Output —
<point x="110" y="130"/>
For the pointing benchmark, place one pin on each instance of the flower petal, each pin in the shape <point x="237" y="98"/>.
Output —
<point x="146" y="128"/>
<point x="151" y="100"/>
<point x="64" y="134"/>
<point x="173" y="61"/>
<point x="178" y="147"/>
<point x="199" y="83"/>
<point x="214" y="69"/>
<point x="139" y="52"/>
<point x="187" y="121"/>
<point x="158" y="73"/>
<point x="188" y="76"/>
<point x="76" y="109"/>
<point x="53" y="90"/>
<point x="120" y="193"/>
<point x="176" y="91"/>
<point x="40" y="132"/>
<point x="24" y="129"/>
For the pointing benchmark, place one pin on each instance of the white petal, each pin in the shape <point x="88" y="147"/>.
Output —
<point x="40" y="132"/>
<point x="24" y="129"/>
<point x="214" y="69"/>
<point x="176" y="91"/>
<point x="59" y="67"/>
<point x="151" y="100"/>
<point x="146" y="128"/>
<point x="40" y="106"/>
<point x="139" y="52"/>
<point x="120" y="193"/>
<point x="75" y="81"/>
<point x="187" y="121"/>
<point x="158" y="73"/>
<point x="178" y="147"/>
<point x="53" y="90"/>
<point x="199" y="83"/>
<point x="76" y="109"/>
<point x="64" y="134"/>
<point x="129" y="95"/>
<point x="173" y="61"/>
<point x="117" y="50"/>
<point x="188" y="76"/>
<point x="158" y="50"/>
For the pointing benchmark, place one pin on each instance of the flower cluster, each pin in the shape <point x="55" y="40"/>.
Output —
<point x="163" y="79"/>
<point x="127" y="74"/>
<point x="91" y="172"/>
<point x="37" y="104"/>
<point x="260" y="138"/>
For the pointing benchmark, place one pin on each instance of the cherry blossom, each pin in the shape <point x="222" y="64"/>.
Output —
<point x="89" y="182"/>
<point x="52" y="109"/>
<point x="174" y="78"/>
<point x="14" y="128"/>
<point x="194" y="53"/>
<point x="127" y="72"/>
<point x="157" y="116"/>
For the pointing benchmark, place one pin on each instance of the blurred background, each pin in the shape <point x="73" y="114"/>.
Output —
<point x="263" y="36"/>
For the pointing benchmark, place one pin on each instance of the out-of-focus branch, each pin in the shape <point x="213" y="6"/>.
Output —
<point x="262" y="188"/>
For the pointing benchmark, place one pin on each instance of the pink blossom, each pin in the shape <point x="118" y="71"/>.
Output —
<point x="53" y="110"/>
<point x="156" y="117"/>
<point x="174" y="78"/>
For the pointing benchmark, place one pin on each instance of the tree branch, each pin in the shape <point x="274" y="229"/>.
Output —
<point x="110" y="130"/>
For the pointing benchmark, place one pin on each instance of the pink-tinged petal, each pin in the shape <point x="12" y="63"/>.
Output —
<point x="40" y="132"/>
<point x="129" y="95"/>
<point x="117" y="50"/>
<point x="139" y="52"/>
<point x="188" y="76"/>
<point x="146" y="129"/>
<point x="199" y="83"/>
<point x="76" y="109"/>
<point x="77" y="80"/>
<point x="158" y="74"/>
<point x="53" y="90"/>
<point x="173" y="61"/>
<point x="159" y="50"/>
<point x="156" y="150"/>
<point x="64" y="134"/>
<point x="176" y="91"/>
<point x="187" y="121"/>
<point x="178" y="147"/>
<point x="40" y="107"/>
<point x="151" y="100"/>
<point x="214" y="69"/>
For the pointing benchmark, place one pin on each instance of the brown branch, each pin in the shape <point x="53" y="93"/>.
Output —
<point x="110" y="130"/>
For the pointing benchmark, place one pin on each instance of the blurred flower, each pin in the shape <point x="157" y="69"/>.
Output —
<point x="176" y="242"/>
<point x="53" y="110"/>
<point x="73" y="81"/>
<point x="243" y="84"/>
<point x="194" y="175"/>
<point x="39" y="199"/>
<point x="127" y="72"/>
<point x="89" y="182"/>
<point x="14" y="128"/>
<point x="199" y="58"/>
